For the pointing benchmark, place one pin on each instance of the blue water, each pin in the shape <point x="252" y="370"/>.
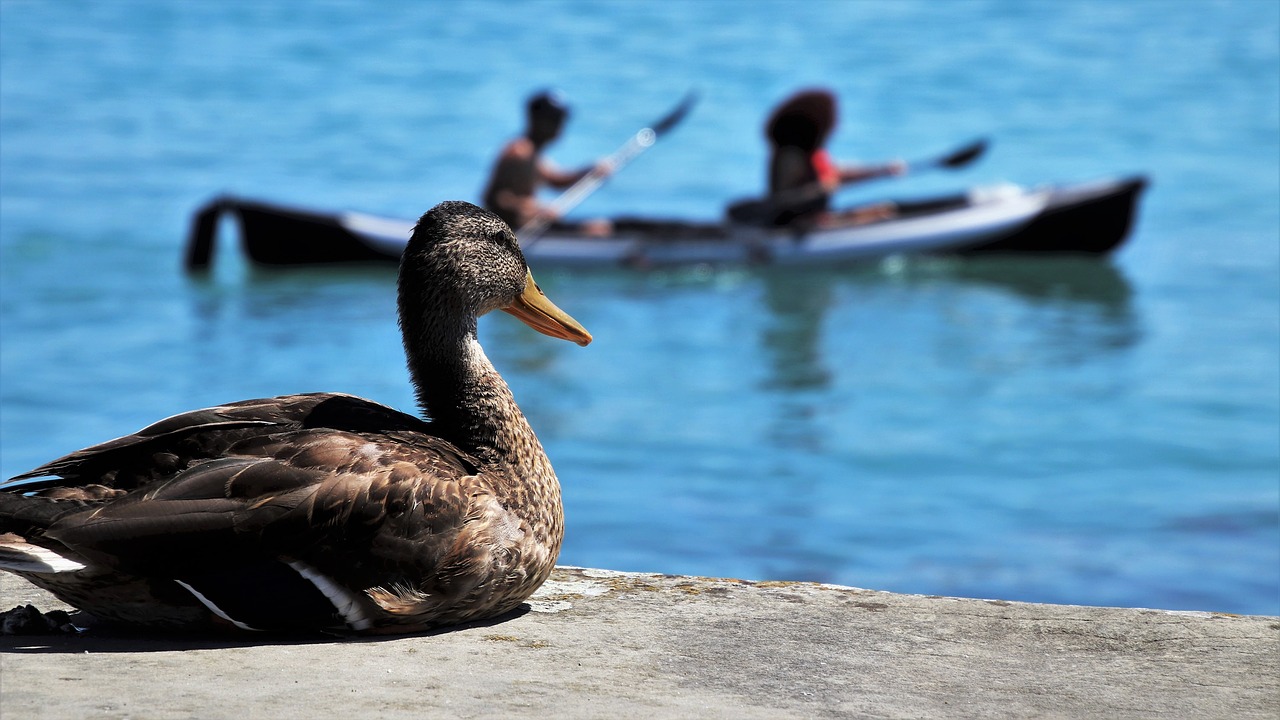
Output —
<point x="1095" y="432"/>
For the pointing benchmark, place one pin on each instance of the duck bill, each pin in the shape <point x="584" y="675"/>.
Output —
<point x="542" y="315"/>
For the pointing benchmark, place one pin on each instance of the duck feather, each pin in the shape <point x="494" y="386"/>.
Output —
<point x="320" y="511"/>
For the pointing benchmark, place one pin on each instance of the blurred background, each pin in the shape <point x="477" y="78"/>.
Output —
<point x="1102" y="432"/>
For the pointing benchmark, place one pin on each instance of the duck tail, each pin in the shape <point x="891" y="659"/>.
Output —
<point x="23" y="517"/>
<point x="19" y="556"/>
<point x="29" y="515"/>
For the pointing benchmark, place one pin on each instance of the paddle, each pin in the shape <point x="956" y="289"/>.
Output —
<point x="636" y="144"/>
<point x="760" y="210"/>
<point x="957" y="158"/>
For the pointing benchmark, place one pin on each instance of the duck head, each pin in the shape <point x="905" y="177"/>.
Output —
<point x="463" y="261"/>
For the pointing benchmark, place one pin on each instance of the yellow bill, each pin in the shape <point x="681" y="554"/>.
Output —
<point x="542" y="315"/>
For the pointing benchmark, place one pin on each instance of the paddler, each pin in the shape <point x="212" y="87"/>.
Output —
<point x="520" y="168"/>
<point x="802" y="175"/>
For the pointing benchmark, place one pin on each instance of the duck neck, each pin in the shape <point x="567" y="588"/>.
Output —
<point x="470" y="404"/>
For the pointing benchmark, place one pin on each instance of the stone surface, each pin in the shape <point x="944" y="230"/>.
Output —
<point x="595" y="644"/>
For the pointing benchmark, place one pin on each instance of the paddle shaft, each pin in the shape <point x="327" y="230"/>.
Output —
<point x="636" y="144"/>
<point x="756" y="210"/>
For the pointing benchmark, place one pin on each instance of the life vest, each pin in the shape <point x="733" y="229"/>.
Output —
<point x="824" y="169"/>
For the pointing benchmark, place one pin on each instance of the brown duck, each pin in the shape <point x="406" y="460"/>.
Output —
<point x="322" y="512"/>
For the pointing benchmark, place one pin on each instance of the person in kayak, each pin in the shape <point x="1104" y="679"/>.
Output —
<point x="802" y="175"/>
<point x="520" y="168"/>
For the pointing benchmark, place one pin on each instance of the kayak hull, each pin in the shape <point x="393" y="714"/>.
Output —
<point x="1091" y="218"/>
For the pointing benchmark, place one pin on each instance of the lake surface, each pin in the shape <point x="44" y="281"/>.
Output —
<point x="1101" y="432"/>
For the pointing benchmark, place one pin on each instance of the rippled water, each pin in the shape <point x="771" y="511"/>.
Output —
<point x="1096" y="432"/>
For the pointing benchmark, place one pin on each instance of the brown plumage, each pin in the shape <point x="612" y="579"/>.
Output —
<point x="322" y="511"/>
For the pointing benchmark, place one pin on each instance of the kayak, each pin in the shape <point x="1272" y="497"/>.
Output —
<point x="1082" y="218"/>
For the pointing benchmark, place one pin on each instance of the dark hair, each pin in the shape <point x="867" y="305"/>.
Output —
<point x="803" y="120"/>
<point x="548" y="104"/>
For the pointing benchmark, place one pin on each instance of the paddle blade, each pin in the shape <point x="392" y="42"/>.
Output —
<point x="964" y="155"/>
<point x="674" y="117"/>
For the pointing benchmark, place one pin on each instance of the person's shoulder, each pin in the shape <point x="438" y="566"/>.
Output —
<point x="519" y="149"/>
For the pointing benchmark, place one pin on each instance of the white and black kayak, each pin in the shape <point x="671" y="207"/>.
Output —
<point x="1085" y="218"/>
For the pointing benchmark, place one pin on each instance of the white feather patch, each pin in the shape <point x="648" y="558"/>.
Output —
<point x="348" y="604"/>
<point x="214" y="608"/>
<point x="18" y="556"/>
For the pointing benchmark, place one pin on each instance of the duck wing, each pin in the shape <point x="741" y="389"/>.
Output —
<point x="162" y="449"/>
<point x="292" y="530"/>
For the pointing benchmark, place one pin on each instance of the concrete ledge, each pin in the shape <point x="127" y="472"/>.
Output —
<point x="595" y="643"/>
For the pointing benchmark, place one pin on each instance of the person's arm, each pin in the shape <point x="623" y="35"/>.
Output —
<point x="858" y="173"/>
<point x="560" y="179"/>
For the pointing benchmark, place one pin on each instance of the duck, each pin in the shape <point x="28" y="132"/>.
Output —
<point x="322" y="512"/>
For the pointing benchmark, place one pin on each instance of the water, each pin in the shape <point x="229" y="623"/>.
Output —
<point x="1094" y="432"/>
